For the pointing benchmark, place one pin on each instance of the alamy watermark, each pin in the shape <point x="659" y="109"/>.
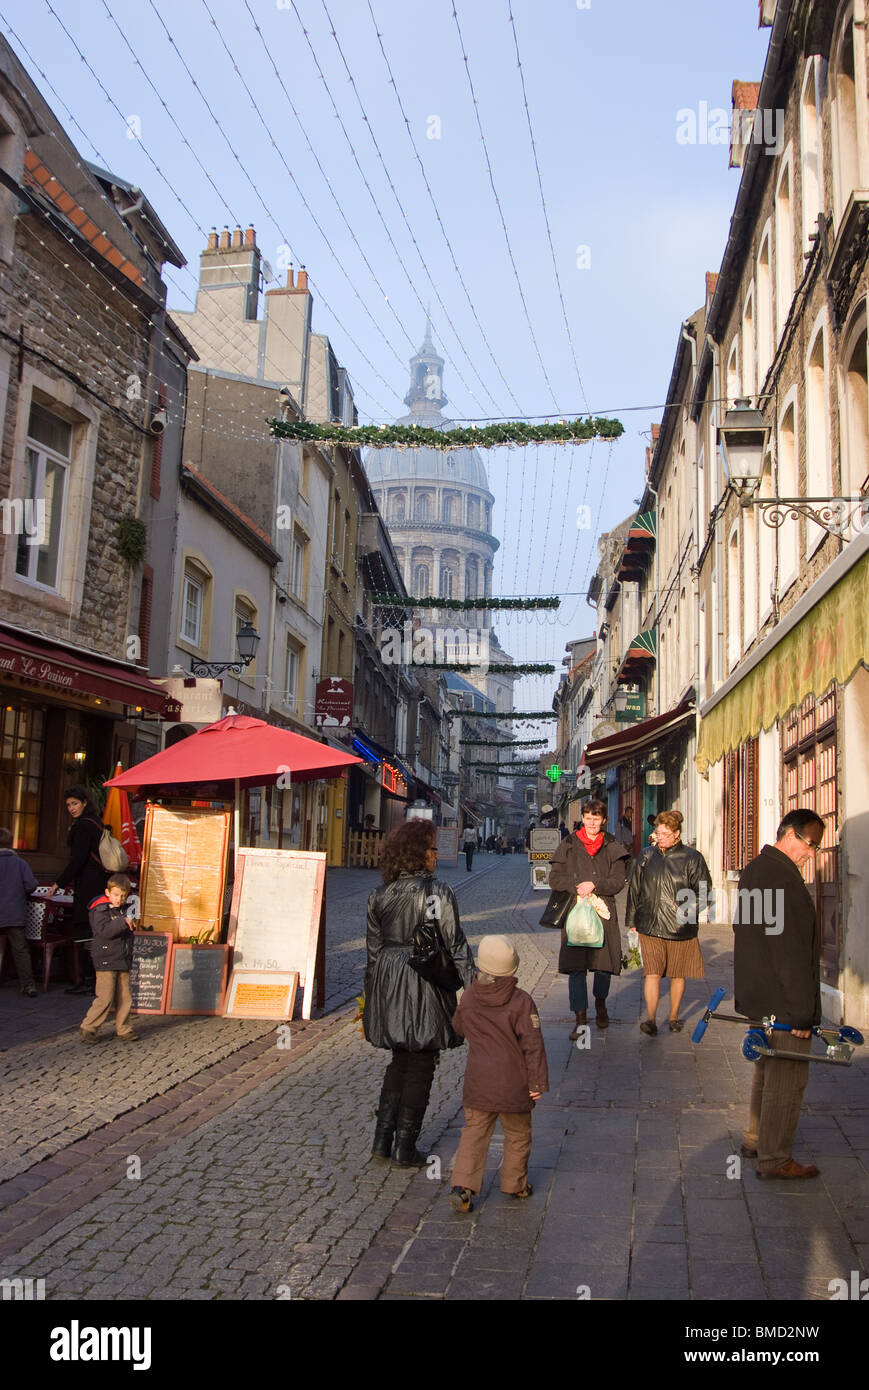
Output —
<point x="764" y="907"/>
<point x="716" y="126"/>
<point x="24" y="1290"/>
<point x="24" y="516"/>
<point x="421" y="646"/>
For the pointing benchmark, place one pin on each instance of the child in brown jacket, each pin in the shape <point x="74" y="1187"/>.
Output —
<point x="505" y="1074"/>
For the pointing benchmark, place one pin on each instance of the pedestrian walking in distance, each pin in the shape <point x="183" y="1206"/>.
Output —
<point x="16" y="881"/>
<point x="402" y="1010"/>
<point x="668" y="890"/>
<point x="591" y="861"/>
<point x="112" y="951"/>
<point x="469" y="844"/>
<point x="505" y="1074"/>
<point x="776" y="970"/>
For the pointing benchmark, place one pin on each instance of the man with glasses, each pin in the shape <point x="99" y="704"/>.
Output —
<point x="777" y="970"/>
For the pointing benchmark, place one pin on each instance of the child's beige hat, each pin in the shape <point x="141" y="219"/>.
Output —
<point x="496" y="956"/>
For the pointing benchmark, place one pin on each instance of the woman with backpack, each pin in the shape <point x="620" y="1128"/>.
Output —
<point x="85" y="871"/>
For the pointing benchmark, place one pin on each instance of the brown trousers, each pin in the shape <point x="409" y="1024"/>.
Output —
<point x="776" y="1096"/>
<point x="113" y="987"/>
<point x="470" y="1163"/>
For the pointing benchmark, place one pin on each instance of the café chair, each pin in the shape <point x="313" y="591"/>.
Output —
<point x="44" y="933"/>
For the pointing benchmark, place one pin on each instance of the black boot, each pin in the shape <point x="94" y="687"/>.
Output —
<point x="384" y="1130"/>
<point x="407" y="1128"/>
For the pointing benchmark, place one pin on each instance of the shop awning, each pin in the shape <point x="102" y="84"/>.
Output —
<point x="81" y="673"/>
<point x="639" y="658"/>
<point x="636" y="739"/>
<point x="824" y="638"/>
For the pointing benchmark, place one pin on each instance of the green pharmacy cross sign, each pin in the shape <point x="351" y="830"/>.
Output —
<point x="553" y="773"/>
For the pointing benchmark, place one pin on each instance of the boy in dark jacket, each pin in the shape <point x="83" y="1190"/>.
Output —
<point x="16" y="881"/>
<point x="112" y="951"/>
<point x="505" y="1074"/>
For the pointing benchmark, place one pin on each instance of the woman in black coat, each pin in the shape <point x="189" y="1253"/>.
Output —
<point x="84" y="870"/>
<point x="591" y="861"/>
<point x="402" y="1011"/>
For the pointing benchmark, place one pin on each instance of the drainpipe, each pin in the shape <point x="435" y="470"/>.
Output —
<point x="691" y="340"/>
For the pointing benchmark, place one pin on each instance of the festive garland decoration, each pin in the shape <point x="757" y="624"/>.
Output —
<point x="498" y="768"/>
<point x="501" y="714"/>
<point x="465" y="605"/>
<point x="512" y="432"/>
<point x="497" y="668"/>
<point x="514" y="743"/>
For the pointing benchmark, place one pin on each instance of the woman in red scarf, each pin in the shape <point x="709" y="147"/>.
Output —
<point x="591" y="861"/>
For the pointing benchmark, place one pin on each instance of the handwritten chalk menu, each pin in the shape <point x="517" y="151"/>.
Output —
<point x="274" y="918"/>
<point x="149" y="972"/>
<point x="197" y="979"/>
<point x="184" y="870"/>
<point x="448" y="844"/>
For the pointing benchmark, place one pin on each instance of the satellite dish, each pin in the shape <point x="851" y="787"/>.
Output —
<point x="268" y="273"/>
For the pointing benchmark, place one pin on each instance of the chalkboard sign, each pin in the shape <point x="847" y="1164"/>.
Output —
<point x="274" y="918"/>
<point x="448" y="844"/>
<point x="197" y="979"/>
<point x="149" y="972"/>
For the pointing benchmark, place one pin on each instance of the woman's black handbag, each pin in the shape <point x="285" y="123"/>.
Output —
<point x="430" y="958"/>
<point x="556" y="910"/>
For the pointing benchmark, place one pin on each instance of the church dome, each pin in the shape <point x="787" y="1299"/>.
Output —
<point x="425" y="399"/>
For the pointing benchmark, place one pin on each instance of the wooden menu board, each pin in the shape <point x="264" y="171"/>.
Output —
<point x="448" y="844"/>
<point x="276" y="913"/>
<point x="184" y="870"/>
<point x="149" y="972"/>
<point x="197" y="979"/>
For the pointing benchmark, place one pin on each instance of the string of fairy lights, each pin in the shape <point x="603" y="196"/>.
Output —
<point x="539" y="536"/>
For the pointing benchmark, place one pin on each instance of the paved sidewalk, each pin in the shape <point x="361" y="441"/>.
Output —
<point x="255" y="1181"/>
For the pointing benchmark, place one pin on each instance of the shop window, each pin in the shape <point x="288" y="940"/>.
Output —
<point x="809" y="782"/>
<point x="48" y="453"/>
<point x="22" y="744"/>
<point x="740" y="806"/>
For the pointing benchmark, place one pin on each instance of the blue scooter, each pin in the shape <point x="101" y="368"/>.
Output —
<point x="839" y="1042"/>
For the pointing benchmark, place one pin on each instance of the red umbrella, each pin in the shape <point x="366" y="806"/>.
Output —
<point x="238" y="749"/>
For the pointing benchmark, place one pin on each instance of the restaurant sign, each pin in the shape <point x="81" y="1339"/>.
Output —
<point x="630" y="708"/>
<point x="333" y="703"/>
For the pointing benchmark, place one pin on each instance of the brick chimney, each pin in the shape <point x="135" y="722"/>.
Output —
<point x="744" y="99"/>
<point x="230" y="266"/>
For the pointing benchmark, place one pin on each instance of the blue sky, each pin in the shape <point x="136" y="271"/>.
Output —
<point x="603" y="86"/>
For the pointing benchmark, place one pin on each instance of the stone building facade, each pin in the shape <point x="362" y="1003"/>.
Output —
<point x="82" y="334"/>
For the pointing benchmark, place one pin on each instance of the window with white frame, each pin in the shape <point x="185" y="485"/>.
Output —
<point x="764" y="308"/>
<point x="749" y="375"/>
<point x="810" y="151"/>
<point x="734" y="601"/>
<point x="784" y="249"/>
<point x="844" y="117"/>
<point x="421" y="581"/>
<point x="446" y="582"/>
<point x="765" y="548"/>
<point x="788" y="533"/>
<point x="855" y="400"/>
<point x="297" y="565"/>
<point x="192" y="606"/>
<point x="818" y="471"/>
<point x="733" y="387"/>
<point x="48" y="453"/>
<point x="292" y="668"/>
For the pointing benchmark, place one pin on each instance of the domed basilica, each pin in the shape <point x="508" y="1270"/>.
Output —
<point x="438" y="508"/>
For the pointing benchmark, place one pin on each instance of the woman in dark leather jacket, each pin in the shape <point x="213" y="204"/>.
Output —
<point x="402" y="1011"/>
<point x="84" y="871"/>
<point x="667" y="893"/>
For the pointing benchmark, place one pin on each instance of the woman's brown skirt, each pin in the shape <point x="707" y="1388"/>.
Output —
<point x="676" y="960"/>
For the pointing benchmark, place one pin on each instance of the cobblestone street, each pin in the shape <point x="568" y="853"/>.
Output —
<point x="255" y="1181"/>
